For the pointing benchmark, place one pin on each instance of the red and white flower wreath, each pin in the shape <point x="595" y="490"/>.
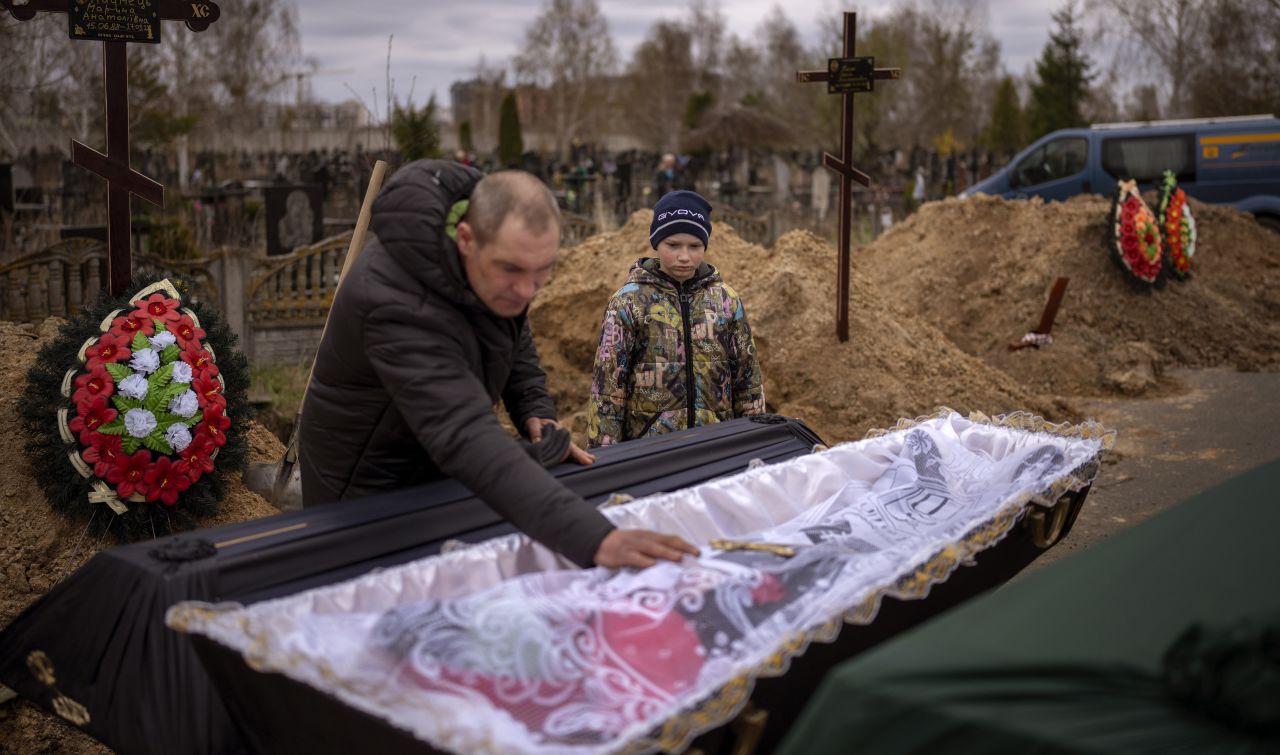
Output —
<point x="147" y="404"/>
<point x="1134" y="234"/>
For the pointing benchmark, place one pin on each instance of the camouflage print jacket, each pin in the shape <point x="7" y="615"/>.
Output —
<point x="641" y="382"/>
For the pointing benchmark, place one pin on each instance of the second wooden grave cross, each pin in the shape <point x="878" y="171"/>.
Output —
<point x="115" y="23"/>
<point x="847" y="76"/>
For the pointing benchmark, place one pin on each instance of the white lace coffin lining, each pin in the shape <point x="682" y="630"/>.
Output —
<point x="499" y="648"/>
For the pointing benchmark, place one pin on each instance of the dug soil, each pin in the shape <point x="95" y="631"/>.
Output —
<point x="894" y="364"/>
<point x="41" y="547"/>
<point x="980" y="270"/>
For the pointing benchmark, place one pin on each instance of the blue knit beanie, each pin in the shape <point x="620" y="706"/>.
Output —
<point x="680" y="212"/>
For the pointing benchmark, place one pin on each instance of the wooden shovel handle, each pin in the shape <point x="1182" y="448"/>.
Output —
<point x="357" y="245"/>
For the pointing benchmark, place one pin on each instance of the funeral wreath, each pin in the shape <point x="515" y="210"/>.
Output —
<point x="1178" y="227"/>
<point x="137" y="407"/>
<point x="1134" y="235"/>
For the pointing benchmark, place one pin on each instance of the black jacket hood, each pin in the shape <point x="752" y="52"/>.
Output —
<point x="409" y="220"/>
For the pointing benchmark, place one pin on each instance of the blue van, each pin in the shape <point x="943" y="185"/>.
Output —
<point x="1234" y="160"/>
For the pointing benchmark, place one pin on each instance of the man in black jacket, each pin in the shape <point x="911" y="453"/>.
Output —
<point x="427" y="332"/>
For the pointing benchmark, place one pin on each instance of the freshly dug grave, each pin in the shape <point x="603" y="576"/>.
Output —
<point x="980" y="270"/>
<point x="894" y="364"/>
<point x="40" y="547"/>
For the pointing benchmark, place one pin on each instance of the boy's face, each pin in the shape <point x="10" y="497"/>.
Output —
<point x="680" y="254"/>
<point x="512" y="267"/>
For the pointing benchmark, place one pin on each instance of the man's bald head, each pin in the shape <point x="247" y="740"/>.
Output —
<point x="511" y="193"/>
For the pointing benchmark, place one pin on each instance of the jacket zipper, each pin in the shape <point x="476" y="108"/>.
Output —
<point x="686" y="298"/>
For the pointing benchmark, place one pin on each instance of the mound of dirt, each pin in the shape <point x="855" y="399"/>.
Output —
<point x="980" y="270"/>
<point x="894" y="364"/>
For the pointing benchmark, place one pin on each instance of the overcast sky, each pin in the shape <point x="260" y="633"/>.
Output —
<point x="440" y="41"/>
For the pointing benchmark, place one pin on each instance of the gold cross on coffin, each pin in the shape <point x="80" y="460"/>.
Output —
<point x="116" y="23"/>
<point x="847" y="76"/>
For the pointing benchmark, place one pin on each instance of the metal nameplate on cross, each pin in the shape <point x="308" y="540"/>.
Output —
<point x="115" y="23"/>
<point x="847" y="76"/>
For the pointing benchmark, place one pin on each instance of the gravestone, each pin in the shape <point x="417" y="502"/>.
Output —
<point x="6" y="188"/>
<point x="295" y="217"/>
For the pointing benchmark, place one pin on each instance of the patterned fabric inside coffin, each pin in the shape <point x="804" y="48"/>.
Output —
<point x="593" y="660"/>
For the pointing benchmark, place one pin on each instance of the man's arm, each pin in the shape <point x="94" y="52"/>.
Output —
<point x="610" y="376"/>
<point x="748" y="383"/>
<point x="448" y="410"/>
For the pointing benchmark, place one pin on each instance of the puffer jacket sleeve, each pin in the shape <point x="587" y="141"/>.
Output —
<point x="748" y="383"/>
<point x="448" y="410"/>
<point x="525" y="394"/>
<point x="607" y="412"/>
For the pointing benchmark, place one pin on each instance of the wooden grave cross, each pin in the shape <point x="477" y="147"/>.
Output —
<point x="115" y="23"/>
<point x="847" y="76"/>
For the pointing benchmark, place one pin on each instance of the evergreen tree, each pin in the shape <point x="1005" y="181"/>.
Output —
<point x="510" y="141"/>
<point x="464" y="136"/>
<point x="1063" y="77"/>
<point x="416" y="130"/>
<point x="697" y="106"/>
<point x="1006" y="131"/>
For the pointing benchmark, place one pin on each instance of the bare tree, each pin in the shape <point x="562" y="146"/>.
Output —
<point x="659" y="82"/>
<point x="1239" y="71"/>
<point x="257" y="47"/>
<point x="707" y="29"/>
<point x="568" y="52"/>
<point x="1168" y="31"/>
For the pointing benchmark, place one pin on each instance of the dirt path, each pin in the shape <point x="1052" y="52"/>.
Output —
<point x="1173" y="447"/>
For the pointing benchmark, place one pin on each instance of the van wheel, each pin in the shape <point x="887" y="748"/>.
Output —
<point x="1269" y="222"/>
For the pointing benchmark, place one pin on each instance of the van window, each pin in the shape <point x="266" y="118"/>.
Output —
<point x="1059" y="158"/>
<point x="1147" y="158"/>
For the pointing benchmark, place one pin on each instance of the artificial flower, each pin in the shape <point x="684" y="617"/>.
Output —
<point x="94" y="416"/>
<point x="145" y="361"/>
<point x="157" y="307"/>
<point x="201" y="362"/>
<point x="139" y="422"/>
<point x="130" y="325"/>
<point x="185" y="404"/>
<point x="215" y="425"/>
<point x="102" y="452"/>
<point x="134" y="386"/>
<point x="187" y="333"/>
<point x="178" y="436"/>
<point x="181" y="372"/>
<point x="129" y="473"/>
<point x="92" y="384"/>
<point x="165" y="482"/>
<point x="162" y="339"/>
<point x="197" y="458"/>
<point x="208" y="390"/>
<point x="111" y="347"/>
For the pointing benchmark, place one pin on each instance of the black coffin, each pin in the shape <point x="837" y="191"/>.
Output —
<point x="124" y="678"/>
<point x="268" y="707"/>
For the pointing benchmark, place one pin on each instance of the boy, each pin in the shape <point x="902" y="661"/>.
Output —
<point x="675" y="347"/>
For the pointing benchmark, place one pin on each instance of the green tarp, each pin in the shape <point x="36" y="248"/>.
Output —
<point x="1072" y="658"/>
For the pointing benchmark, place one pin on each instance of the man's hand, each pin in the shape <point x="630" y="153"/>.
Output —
<point x="640" y="549"/>
<point x="533" y="426"/>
